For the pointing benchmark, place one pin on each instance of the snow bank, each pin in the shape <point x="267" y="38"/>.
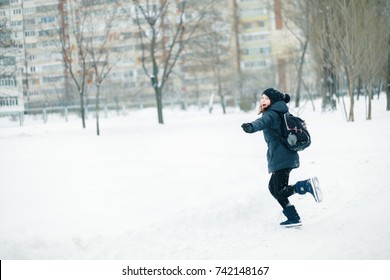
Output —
<point x="194" y="188"/>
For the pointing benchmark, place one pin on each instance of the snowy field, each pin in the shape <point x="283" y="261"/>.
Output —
<point x="194" y="188"/>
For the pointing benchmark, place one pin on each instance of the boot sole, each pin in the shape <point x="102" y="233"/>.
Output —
<point x="292" y="225"/>
<point x="317" y="193"/>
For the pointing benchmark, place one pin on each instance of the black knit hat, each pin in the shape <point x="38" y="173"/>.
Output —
<point x="275" y="95"/>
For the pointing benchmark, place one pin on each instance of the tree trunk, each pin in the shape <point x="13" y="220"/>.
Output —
<point x="388" y="81"/>
<point x="82" y="109"/>
<point x="159" y="105"/>
<point x="325" y="80"/>
<point x="300" y="69"/>
<point x="388" y="100"/>
<point x="211" y="102"/>
<point x="97" y="109"/>
<point x="351" y="117"/>
<point x="369" y="100"/>
<point x="238" y="55"/>
<point x="359" y="87"/>
<point x="223" y="103"/>
<point x="220" y="93"/>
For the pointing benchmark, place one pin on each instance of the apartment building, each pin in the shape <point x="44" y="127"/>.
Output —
<point x="234" y="56"/>
<point x="233" y="59"/>
<point x="11" y="98"/>
<point x="39" y="71"/>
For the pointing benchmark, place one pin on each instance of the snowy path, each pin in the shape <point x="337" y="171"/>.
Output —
<point x="195" y="188"/>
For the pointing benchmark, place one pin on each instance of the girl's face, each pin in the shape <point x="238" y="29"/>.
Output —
<point x="264" y="102"/>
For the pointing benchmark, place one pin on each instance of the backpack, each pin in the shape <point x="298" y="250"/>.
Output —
<point x="295" y="135"/>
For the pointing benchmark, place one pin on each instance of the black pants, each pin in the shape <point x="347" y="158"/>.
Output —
<point x="279" y="188"/>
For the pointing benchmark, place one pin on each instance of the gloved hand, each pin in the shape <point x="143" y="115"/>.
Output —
<point x="247" y="127"/>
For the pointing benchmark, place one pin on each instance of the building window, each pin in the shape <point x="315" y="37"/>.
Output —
<point x="54" y="79"/>
<point x="47" y="19"/>
<point x="256" y="51"/>
<point x="7" y="60"/>
<point x="7" y="82"/>
<point x="254" y="64"/>
<point x="254" y="37"/>
<point x="29" y="33"/>
<point x="29" y="10"/>
<point x="16" y="23"/>
<point x="7" y="101"/>
<point x="31" y="93"/>
<point x="29" y="22"/>
<point x="254" y="12"/>
<point x="31" y="46"/>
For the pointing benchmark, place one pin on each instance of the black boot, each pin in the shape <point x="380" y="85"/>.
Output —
<point x="312" y="186"/>
<point x="293" y="219"/>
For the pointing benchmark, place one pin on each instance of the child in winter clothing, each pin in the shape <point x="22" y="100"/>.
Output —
<point x="280" y="159"/>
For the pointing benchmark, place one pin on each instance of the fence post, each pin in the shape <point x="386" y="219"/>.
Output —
<point x="44" y="115"/>
<point x="21" y="118"/>
<point x="66" y="113"/>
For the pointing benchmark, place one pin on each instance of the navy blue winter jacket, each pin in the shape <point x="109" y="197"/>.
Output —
<point x="278" y="156"/>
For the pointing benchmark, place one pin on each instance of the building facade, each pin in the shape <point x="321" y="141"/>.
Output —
<point x="231" y="57"/>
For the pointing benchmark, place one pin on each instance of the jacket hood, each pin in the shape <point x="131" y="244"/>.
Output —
<point x="279" y="107"/>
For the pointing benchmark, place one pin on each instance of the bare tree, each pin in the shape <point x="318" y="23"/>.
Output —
<point x="386" y="15"/>
<point x="323" y="50"/>
<point x="296" y="18"/>
<point x="161" y="47"/>
<point x="237" y="46"/>
<point x="99" y="51"/>
<point x="220" y="53"/>
<point x="346" y="20"/>
<point x="376" y="45"/>
<point x="8" y="65"/>
<point x="74" y="47"/>
<point x="5" y="34"/>
<point x="342" y="32"/>
<point x="209" y="51"/>
<point x="388" y="77"/>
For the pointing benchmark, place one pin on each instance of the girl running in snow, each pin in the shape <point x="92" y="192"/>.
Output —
<point x="280" y="159"/>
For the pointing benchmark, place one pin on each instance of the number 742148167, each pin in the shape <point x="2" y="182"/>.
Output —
<point x="229" y="270"/>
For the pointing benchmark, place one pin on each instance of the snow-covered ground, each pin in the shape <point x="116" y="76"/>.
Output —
<point x="194" y="188"/>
